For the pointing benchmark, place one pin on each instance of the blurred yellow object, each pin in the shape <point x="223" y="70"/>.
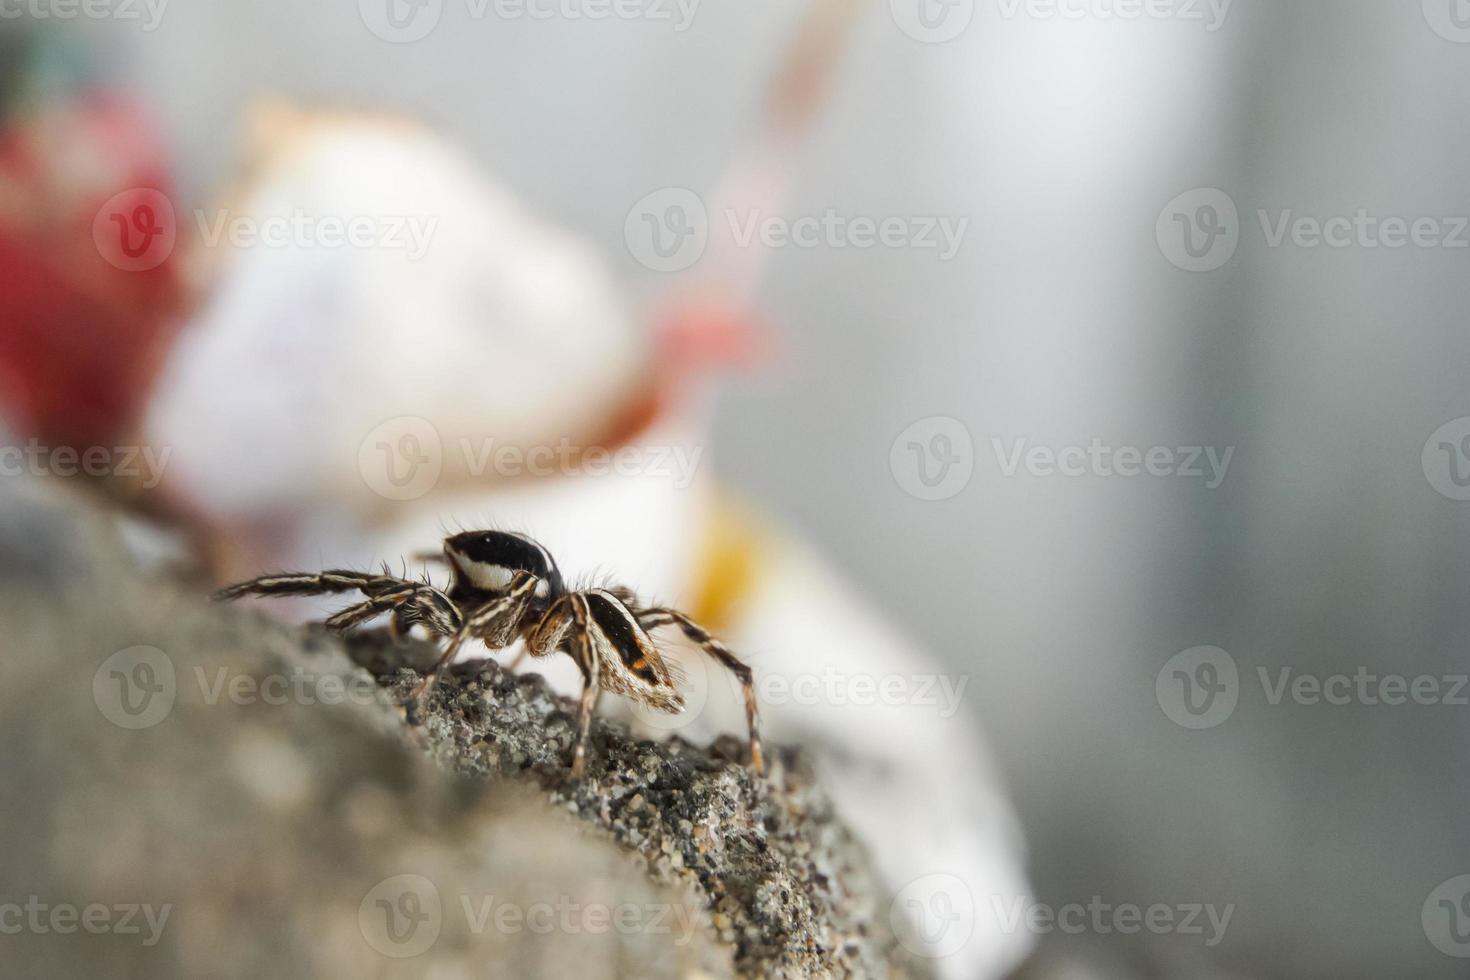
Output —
<point x="736" y="541"/>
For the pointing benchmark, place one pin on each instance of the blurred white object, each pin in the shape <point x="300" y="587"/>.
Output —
<point x="505" y="333"/>
<point x="461" y="308"/>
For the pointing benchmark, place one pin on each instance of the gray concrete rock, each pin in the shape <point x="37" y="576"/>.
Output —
<point x="198" y="791"/>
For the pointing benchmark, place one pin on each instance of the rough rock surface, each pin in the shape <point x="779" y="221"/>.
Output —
<point x="267" y="789"/>
<point x="786" y="884"/>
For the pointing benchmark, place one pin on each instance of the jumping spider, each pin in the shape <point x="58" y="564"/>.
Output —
<point x="505" y="587"/>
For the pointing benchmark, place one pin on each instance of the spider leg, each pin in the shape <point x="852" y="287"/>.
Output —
<point x="543" y="639"/>
<point x="345" y="620"/>
<point x="431" y="608"/>
<point x="566" y="616"/>
<point x="586" y="658"/>
<point x="494" y="622"/>
<point x="547" y="635"/>
<point x="624" y="595"/>
<point x="298" y="584"/>
<point x="652" y="619"/>
<point x="412" y="603"/>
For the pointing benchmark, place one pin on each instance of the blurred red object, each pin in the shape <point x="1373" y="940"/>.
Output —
<point x="89" y="283"/>
<point x="711" y="337"/>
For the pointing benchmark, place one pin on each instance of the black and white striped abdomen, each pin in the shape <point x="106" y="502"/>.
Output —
<point x="627" y="661"/>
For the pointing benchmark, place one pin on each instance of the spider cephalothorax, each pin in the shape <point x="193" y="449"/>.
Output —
<point x="486" y="562"/>
<point x="505" y="586"/>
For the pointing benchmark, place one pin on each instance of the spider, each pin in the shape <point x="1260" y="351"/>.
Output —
<point x="505" y="586"/>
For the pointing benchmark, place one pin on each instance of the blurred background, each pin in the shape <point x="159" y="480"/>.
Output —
<point x="1145" y="414"/>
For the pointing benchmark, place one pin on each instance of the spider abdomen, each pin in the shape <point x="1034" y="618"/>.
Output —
<point x="628" y="660"/>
